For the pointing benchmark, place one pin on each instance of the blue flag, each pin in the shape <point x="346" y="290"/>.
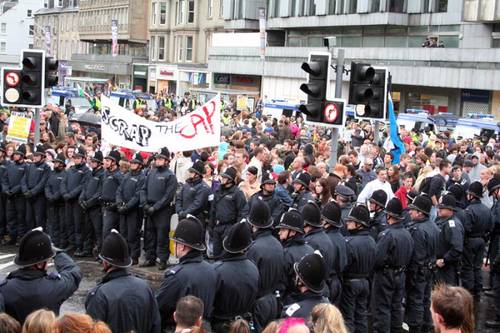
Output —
<point x="399" y="147"/>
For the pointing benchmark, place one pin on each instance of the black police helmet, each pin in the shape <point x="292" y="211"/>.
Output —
<point x="230" y="174"/>
<point x="476" y="190"/>
<point x="448" y="201"/>
<point x="311" y="214"/>
<point x="379" y="197"/>
<point x="198" y="167"/>
<point x="311" y="270"/>
<point x="35" y="247"/>
<point x="39" y="150"/>
<point x="422" y="203"/>
<point x="98" y="157"/>
<point x="304" y="179"/>
<point x="394" y="208"/>
<point x="80" y="152"/>
<point x="292" y="220"/>
<point x="114" y="155"/>
<point x="260" y="216"/>
<point x="164" y="153"/>
<point x="238" y="239"/>
<point x="115" y="250"/>
<point x="21" y="150"/>
<point x="60" y="158"/>
<point x="189" y="232"/>
<point x="494" y="183"/>
<point x="412" y="195"/>
<point x="457" y="191"/>
<point x="137" y="158"/>
<point x="267" y="178"/>
<point x="359" y="214"/>
<point x="331" y="214"/>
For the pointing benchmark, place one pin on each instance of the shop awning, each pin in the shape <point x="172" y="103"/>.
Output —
<point x="85" y="79"/>
<point x="226" y="91"/>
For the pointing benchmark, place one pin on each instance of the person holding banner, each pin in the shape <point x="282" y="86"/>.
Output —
<point x="157" y="197"/>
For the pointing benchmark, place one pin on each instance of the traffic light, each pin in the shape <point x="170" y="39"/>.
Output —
<point x="333" y="113"/>
<point x="368" y="91"/>
<point x="316" y="88"/>
<point x="11" y="78"/>
<point x="51" y="68"/>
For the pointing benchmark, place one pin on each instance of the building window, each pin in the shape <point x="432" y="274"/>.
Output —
<point x="189" y="48"/>
<point x="276" y="8"/>
<point x="30" y="46"/>
<point x="180" y="48"/>
<point x="153" y="48"/>
<point x="396" y="6"/>
<point x="32" y="30"/>
<point x="154" y="13"/>
<point x="353" y="6"/>
<point x="60" y="3"/>
<point x="221" y="8"/>
<point x="442" y="6"/>
<point x="210" y="5"/>
<point x="29" y="13"/>
<point x="375" y="6"/>
<point x="181" y="6"/>
<point x="311" y="8"/>
<point x="3" y="47"/>
<point x="161" y="48"/>
<point x="191" y="11"/>
<point x="163" y="13"/>
<point x="3" y="28"/>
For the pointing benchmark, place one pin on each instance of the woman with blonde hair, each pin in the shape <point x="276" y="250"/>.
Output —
<point x="80" y="323"/>
<point x="40" y="321"/>
<point x="424" y="173"/>
<point x="326" y="318"/>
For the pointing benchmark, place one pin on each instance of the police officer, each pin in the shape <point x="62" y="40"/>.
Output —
<point x="451" y="242"/>
<point x="494" y="191"/>
<point x="111" y="181"/>
<point x="360" y="249"/>
<point x="393" y="255"/>
<point x="237" y="279"/>
<point x="310" y="272"/>
<point x="128" y="199"/>
<point x="31" y="287"/>
<point x="291" y="235"/>
<point x="267" y="195"/>
<point x="316" y="237"/>
<point x="458" y="193"/>
<point x="157" y="196"/>
<point x="406" y="211"/>
<point x="192" y="276"/>
<point x="419" y="277"/>
<point x="376" y="204"/>
<point x="476" y="225"/>
<point x="71" y="187"/>
<point x="33" y="186"/>
<point x="345" y="197"/>
<point x="90" y="202"/>
<point x="332" y="222"/>
<point x="57" y="228"/>
<point x="4" y="162"/>
<point x="267" y="254"/>
<point x="301" y="193"/>
<point x="16" y="203"/>
<point x="193" y="197"/>
<point x="124" y="302"/>
<point x="226" y="209"/>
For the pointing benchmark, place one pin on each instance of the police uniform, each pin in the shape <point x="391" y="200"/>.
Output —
<point x="273" y="202"/>
<point x="301" y="198"/>
<point x="157" y="196"/>
<point x="57" y="228"/>
<point x="378" y="222"/>
<point x="3" y="199"/>
<point x="494" y="185"/>
<point x="349" y="195"/>
<point x="331" y="215"/>
<point x="90" y="201"/>
<point x="310" y="272"/>
<point x="124" y="302"/>
<point x="33" y="188"/>
<point x="26" y="290"/>
<point x="237" y="280"/>
<point x="193" y="197"/>
<point x="131" y="215"/>
<point x="111" y="181"/>
<point x="192" y="276"/>
<point x="71" y="188"/>
<point x="227" y="209"/>
<point x="450" y="245"/>
<point x="267" y="254"/>
<point x="419" y="277"/>
<point x="393" y="255"/>
<point x="16" y="203"/>
<point x="477" y="223"/>
<point x="360" y="250"/>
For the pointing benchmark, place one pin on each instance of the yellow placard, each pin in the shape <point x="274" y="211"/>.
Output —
<point x="19" y="127"/>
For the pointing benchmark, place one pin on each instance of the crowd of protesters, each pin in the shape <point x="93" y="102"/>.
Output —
<point x="376" y="228"/>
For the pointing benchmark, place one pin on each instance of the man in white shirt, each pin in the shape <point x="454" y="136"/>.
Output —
<point x="380" y="183"/>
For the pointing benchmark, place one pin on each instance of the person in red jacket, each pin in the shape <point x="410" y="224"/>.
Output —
<point x="401" y="193"/>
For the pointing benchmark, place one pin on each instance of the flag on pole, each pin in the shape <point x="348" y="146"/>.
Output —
<point x="84" y="94"/>
<point x="399" y="147"/>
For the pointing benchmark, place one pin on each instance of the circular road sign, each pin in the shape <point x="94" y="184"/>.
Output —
<point x="12" y="95"/>
<point x="12" y="79"/>
<point x="331" y="113"/>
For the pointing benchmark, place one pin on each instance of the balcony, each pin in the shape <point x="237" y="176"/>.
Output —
<point x="435" y="67"/>
<point x="482" y="10"/>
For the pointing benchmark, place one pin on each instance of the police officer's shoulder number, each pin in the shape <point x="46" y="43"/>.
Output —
<point x="54" y="276"/>
<point x="174" y="270"/>
<point x="292" y="309"/>
<point x="451" y="223"/>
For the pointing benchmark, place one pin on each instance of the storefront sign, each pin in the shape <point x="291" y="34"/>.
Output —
<point x="477" y="96"/>
<point x="166" y="73"/>
<point x="222" y="78"/>
<point x="140" y="72"/>
<point x="95" y="67"/>
<point x="198" y="129"/>
<point x="243" y="80"/>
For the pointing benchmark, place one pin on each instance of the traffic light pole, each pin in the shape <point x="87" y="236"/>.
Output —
<point x="334" y="145"/>
<point x="37" y="126"/>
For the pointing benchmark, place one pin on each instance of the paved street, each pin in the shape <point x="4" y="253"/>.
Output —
<point x="92" y="274"/>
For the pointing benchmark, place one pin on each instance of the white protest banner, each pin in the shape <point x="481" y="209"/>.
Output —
<point x="198" y="129"/>
<point x="19" y="127"/>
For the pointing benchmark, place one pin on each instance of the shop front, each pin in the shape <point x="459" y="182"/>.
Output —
<point x="193" y="81"/>
<point x="118" y="73"/>
<point x="243" y="90"/>
<point x="140" y="80"/>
